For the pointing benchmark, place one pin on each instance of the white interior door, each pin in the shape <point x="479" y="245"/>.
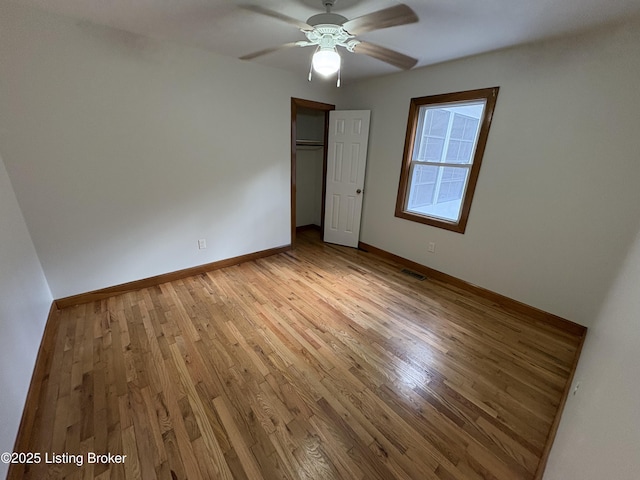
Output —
<point x="346" y="162"/>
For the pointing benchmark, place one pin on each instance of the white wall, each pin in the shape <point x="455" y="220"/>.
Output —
<point x="25" y="300"/>
<point x="557" y="202"/>
<point x="124" y="151"/>
<point x="309" y="186"/>
<point x="599" y="435"/>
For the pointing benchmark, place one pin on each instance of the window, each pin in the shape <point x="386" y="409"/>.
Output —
<point x="446" y="136"/>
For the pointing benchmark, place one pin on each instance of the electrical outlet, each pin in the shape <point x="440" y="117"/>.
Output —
<point x="202" y="243"/>
<point x="431" y="247"/>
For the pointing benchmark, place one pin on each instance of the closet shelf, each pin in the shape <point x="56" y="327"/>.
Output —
<point x="310" y="143"/>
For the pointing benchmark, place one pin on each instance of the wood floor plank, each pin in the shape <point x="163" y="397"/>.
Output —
<point x="199" y="407"/>
<point x="321" y="362"/>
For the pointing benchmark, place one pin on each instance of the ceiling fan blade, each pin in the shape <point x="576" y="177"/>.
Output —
<point x="285" y="18"/>
<point x="391" y="57"/>
<point x="266" y="51"/>
<point x="388" y="17"/>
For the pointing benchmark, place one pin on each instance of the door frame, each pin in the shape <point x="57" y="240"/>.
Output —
<point x="299" y="103"/>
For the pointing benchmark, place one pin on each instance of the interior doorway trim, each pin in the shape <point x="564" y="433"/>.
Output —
<point x="298" y="103"/>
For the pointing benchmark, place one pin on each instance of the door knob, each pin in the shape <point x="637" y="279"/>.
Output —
<point x="358" y="191"/>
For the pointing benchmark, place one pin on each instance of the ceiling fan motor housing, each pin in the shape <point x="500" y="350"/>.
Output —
<point x="326" y="18"/>
<point x="329" y="36"/>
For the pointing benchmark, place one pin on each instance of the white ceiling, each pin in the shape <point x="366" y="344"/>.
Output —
<point x="447" y="29"/>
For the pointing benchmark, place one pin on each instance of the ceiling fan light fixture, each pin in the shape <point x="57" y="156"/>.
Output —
<point x="327" y="31"/>
<point x="326" y="61"/>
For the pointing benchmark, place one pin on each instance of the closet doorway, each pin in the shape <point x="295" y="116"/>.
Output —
<point x="309" y="133"/>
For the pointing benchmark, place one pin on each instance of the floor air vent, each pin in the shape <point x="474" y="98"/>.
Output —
<point x="413" y="274"/>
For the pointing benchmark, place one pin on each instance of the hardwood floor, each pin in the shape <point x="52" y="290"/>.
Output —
<point x="319" y="363"/>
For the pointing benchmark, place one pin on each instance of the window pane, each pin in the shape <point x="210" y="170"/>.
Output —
<point x="452" y="184"/>
<point x="462" y="139"/>
<point x="423" y="183"/>
<point x="431" y="135"/>
<point x="452" y="151"/>
<point x="470" y="129"/>
<point x="465" y="152"/>
<point x="457" y="127"/>
<point x="437" y="191"/>
<point x="433" y="148"/>
<point x="448" y="133"/>
<point x="439" y="122"/>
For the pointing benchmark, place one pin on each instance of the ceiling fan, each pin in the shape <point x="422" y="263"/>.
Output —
<point x="329" y="30"/>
